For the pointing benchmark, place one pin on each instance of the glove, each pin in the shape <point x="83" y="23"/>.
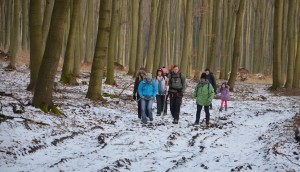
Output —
<point x="134" y="97"/>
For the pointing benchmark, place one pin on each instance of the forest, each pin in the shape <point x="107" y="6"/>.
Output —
<point x="69" y="57"/>
<point x="225" y="35"/>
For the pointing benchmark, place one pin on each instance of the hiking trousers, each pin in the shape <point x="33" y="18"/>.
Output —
<point x="175" y="103"/>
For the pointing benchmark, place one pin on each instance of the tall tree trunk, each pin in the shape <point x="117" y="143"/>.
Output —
<point x="89" y="32"/>
<point x="292" y="20"/>
<point x="202" y="39"/>
<point x="123" y="33"/>
<point x="8" y="24"/>
<point x="97" y="73"/>
<point x="139" y="52"/>
<point x="43" y="91"/>
<point x="225" y="26"/>
<point x="15" y="34"/>
<point x="187" y="40"/>
<point x="237" y="44"/>
<point x="36" y="44"/>
<point x="112" y="43"/>
<point x="25" y="25"/>
<point x="178" y="32"/>
<point x="159" y="37"/>
<point x="277" y="44"/>
<point x="46" y="21"/>
<point x="134" y="33"/>
<point x="296" y="80"/>
<point x="151" y="40"/>
<point x="67" y="76"/>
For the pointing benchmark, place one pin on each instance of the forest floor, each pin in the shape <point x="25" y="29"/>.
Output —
<point x="255" y="134"/>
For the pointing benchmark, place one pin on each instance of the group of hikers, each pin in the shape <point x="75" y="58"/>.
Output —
<point x="172" y="84"/>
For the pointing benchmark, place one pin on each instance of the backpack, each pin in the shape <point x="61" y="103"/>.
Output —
<point x="171" y="76"/>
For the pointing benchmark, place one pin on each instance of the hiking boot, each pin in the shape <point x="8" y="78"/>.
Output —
<point x="220" y="109"/>
<point x="165" y="113"/>
<point x="196" y="123"/>
<point x="151" y="119"/>
<point x="175" y="121"/>
<point x="158" y="114"/>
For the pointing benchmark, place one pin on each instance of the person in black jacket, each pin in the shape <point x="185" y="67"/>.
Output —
<point x="211" y="79"/>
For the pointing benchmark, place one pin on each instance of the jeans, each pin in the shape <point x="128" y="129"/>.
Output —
<point x="207" y="115"/>
<point x="140" y="107"/>
<point x="146" y="106"/>
<point x="161" y="101"/>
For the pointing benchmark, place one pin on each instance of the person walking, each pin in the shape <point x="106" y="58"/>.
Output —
<point x="177" y="87"/>
<point x="224" y="91"/>
<point x="161" y="96"/>
<point x="139" y="77"/>
<point x="147" y="90"/>
<point x="211" y="79"/>
<point x="204" y="93"/>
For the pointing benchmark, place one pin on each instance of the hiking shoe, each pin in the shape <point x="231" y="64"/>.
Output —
<point x="158" y="114"/>
<point x="151" y="119"/>
<point x="196" y="123"/>
<point x="175" y="121"/>
<point x="165" y="113"/>
<point x="220" y="109"/>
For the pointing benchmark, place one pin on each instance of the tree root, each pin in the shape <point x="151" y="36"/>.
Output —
<point x="6" y="117"/>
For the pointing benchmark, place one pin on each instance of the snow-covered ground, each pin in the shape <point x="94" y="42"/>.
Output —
<point x="255" y="134"/>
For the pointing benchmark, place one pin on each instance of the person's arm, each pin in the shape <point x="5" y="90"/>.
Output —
<point x="155" y="89"/>
<point x="140" y="88"/>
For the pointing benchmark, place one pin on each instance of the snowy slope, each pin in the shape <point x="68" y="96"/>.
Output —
<point x="255" y="134"/>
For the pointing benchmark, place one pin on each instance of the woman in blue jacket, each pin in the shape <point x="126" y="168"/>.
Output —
<point x="147" y="90"/>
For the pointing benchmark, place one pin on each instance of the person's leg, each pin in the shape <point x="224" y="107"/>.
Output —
<point x="222" y="102"/>
<point x="177" y="107"/>
<point x="159" y="102"/>
<point x="172" y="104"/>
<point x="139" y="106"/>
<point x="144" y="110"/>
<point x="149" y="109"/>
<point x="199" y="108"/>
<point x="226" y="105"/>
<point x="207" y="115"/>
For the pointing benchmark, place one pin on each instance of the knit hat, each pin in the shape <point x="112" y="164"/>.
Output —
<point x="148" y="76"/>
<point x="203" y="76"/>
